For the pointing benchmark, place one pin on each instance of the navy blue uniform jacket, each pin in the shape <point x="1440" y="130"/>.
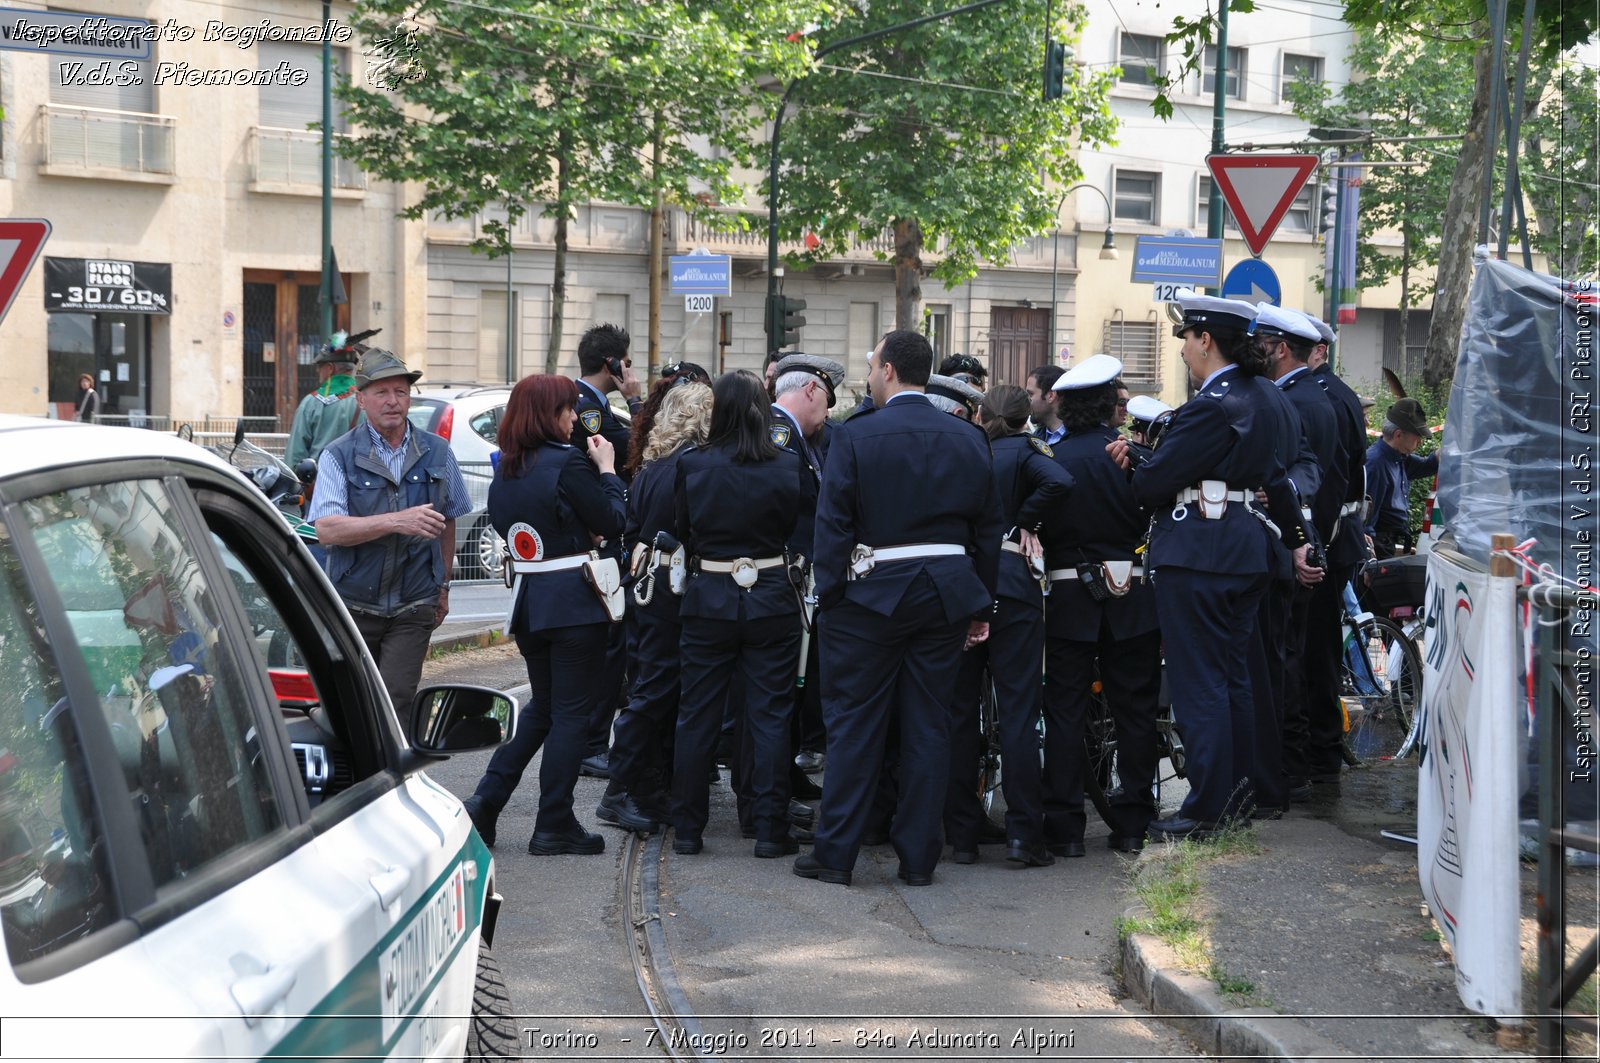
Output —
<point x="1230" y="431"/>
<point x="905" y="474"/>
<point x="1103" y="523"/>
<point x="1033" y="494"/>
<point x="652" y="508"/>
<point x="786" y="434"/>
<point x="609" y="426"/>
<point x="566" y="499"/>
<point x="726" y="511"/>
<point x="1319" y="429"/>
<point x="1347" y="548"/>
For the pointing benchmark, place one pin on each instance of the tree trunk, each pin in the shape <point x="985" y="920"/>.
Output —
<point x="1459" y="235"/>
<point x="558" y="282"/>
<point x="907" y="273"/>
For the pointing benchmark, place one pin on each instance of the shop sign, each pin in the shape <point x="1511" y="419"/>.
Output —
<point x="111" y="286"/>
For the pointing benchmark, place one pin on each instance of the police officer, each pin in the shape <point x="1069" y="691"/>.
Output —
<point x="1287" y="337"/>
<point x="1100" y="620"/>
<point x="954" y="396"/>
<point x="605" y="366"/>
<point x="1147" y="419"/>
<point x="1211" y="552"/>
<point x="1033" y="492"/>
<point x="908" y="551"/>
<point x="806" y="386"/>
<point x="1346" y="552"/>
<point x="737" y="500"/>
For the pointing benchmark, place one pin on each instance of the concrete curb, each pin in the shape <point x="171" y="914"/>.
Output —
<point x="471" y="639"/>
<point x="1194" y="1005"/>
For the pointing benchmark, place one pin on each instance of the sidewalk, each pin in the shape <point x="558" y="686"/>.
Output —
<point x="464" y="635"/>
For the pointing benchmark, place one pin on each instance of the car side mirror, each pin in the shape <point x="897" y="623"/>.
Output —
<point x="459" y="718"/>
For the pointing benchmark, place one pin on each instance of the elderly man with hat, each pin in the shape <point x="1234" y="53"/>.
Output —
<point x="954" y="396"/>
<point x="330" y="411"/>
<point x="1213" y="554"/>
<point x="1392" y="464"/>
<point x="806" y="386"/>
<point x="1100" y="620"/>
<point x="388" y="495"/>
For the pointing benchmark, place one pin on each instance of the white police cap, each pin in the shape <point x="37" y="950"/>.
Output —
<point x="1281" y="321"/>
<point x="1322" y="329"/>
<point x="1093" y="371"/>
<point x="1208" y="312"/>
<point x="959" y="390"/>
<point x="1147" y="408"/>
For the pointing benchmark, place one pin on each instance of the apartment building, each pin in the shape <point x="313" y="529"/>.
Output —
<point x="184" y="192"/>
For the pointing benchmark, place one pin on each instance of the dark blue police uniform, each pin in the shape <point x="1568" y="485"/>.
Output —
<point x="1033" y="492"/>
<point x="1210" y="576"/>
<point x="902" y="475"/>
<point x="807" y="732"/>
<point x="1117" y="641"/>
<point x="725" y="511"/>
<point x="560" y="626"/>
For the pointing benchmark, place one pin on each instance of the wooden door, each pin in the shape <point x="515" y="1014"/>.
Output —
<point x="282" y="334"/>
<point x="1019" y="341"/>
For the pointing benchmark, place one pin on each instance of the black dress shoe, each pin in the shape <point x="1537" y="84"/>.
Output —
<point x="965" y="856"/>
<point x="623" y="811"/>
<point x="1300" y="789"/>
<point x="574" y="842"/>
<point x="810" y="761"/>
<point x="597" y="766"/>
<point x="807" y="867"/>
<point x="1126" y="843"/>
<point x="1177" y="828"/>
<point x="1067" y="848"/>
<point x="801" y="787"/>
<point x="480" y="819"/>
<point x="1029" y="855"/>
<point x="803" y="835"/>
<point x="915" y="878"/>
<point x="687" y="844"/>
<point x="773" y="850"/>
<point x="801" y="813"/>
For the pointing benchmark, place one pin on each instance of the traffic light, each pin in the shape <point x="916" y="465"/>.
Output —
<point x="1330" y="208"/>
<point x="784" y="321"/>
<point x="1055" y="69"/>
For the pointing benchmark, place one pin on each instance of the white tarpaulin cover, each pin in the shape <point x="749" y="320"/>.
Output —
<point x="1467" y="779"/>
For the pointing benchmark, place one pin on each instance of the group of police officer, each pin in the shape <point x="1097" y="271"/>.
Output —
<point x="1219" y="537"/>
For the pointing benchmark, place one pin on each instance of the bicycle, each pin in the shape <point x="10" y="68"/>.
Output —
<point x="1380" y="687"/>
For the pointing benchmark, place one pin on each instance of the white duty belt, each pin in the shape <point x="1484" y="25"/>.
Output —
<point x="757" y="563"/>
<point x="1349" y="509"/>
<point x="1072" y="573"/>
<point x="904" y="553"/>
<point x="1010" y="546"/>
<point x="1192" y="494"/>
<point x="553" y="564"/>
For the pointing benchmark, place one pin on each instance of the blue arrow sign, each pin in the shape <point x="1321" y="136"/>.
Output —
<point x="1253" y="281"/>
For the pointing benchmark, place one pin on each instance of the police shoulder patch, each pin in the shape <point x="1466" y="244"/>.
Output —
<point x="590" y="419"/>
<point x="1041" y="446"/>
<point x="780" y="435"/>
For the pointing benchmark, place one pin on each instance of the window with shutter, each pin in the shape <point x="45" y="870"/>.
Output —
<point x="1137" y="345"/>
<point x="286" y="151"/>
<point x="106" y="127"/>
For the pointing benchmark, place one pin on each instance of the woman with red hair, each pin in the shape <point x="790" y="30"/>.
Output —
<point x="551" y="502"/>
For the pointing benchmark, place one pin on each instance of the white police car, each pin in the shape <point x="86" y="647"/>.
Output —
<point x="219" y="839"/>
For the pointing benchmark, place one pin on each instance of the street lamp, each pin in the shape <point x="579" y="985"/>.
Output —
<point x="1108" y="249"/>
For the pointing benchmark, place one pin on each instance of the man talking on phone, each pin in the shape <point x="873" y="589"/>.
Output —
<point x="603" y="360"/>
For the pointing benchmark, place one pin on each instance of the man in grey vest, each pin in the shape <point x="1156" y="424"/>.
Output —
<point x="387" y="500"/>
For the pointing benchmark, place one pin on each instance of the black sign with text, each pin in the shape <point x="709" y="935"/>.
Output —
<point x="107" y="285"/>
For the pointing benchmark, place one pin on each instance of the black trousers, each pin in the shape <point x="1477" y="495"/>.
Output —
<point x="870" y="664"/>
<point x="642" y="739"/>
<point x="1297" y="687"/>
<point x="608" y="693"/>
<point x="1269" y="786"/>
<point x="1014" y="656"/>
<point x="564" y="669"/>
<point x="399" y="644"/>
<point x="763" y="653"/>
<point x="1324" y="667"/>
<point x="1208" y="632"/>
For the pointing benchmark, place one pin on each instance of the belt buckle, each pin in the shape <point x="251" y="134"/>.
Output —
<point x="861" y="561"/>
<point x="745" y="572"/>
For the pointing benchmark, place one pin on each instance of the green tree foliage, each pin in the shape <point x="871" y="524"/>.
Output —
<point x="939" y="132"/>
<point x="1561" y="166"/>
<point x="531" y="105"/>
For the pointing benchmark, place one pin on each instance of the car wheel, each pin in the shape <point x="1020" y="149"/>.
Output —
<point x="483" y="552"/>
<point x="492" y="1035"/>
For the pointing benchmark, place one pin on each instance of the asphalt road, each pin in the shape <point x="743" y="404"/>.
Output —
<point x="990" y="962"/>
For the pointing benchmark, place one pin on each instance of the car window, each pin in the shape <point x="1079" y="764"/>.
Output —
<point x="487" y="423"/>
<point x="54" y="885"/>
<point x="425" y="413"/>
<point x="147" y="622"/>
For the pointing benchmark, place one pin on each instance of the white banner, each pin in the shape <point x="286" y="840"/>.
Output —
<point x="1467" y="783"/>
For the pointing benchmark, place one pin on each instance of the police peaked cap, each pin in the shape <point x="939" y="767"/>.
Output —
<point x="959" y="390"/>
<point x="1322" y="328"/>
<point x="1147" y="409"/>
<point x="1092" y="372"/>
<point x="827" y="370"/>
<point x="1281" y="321"/>
<point x="1208" y="313"/>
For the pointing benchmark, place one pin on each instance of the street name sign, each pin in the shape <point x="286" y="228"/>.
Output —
<point x="76" y="33"/>
<point x="1191" y="261"/>
<point x="1253" y="281"/>
<point x="701" y="274"/>
<point x="21" y="240"/>
<point x="1259" y="190"/>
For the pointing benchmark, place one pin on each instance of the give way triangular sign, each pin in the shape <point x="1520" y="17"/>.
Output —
<point x="1258" y="189"/>
<point x="21" y="240"/>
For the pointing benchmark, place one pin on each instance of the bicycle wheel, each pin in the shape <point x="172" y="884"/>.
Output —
<point x="989" y="795"/>
<point x="1380" y="688"/>
<point x="1100" y="756"/>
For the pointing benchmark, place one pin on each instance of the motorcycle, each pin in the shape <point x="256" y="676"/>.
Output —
<point x="289" y="490"/>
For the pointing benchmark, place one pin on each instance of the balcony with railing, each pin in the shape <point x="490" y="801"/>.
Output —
<point x="95" y="142"/>
<point x="289" y="161"/>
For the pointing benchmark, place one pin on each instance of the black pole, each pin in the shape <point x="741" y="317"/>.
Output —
<point x="775" y="327"/>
